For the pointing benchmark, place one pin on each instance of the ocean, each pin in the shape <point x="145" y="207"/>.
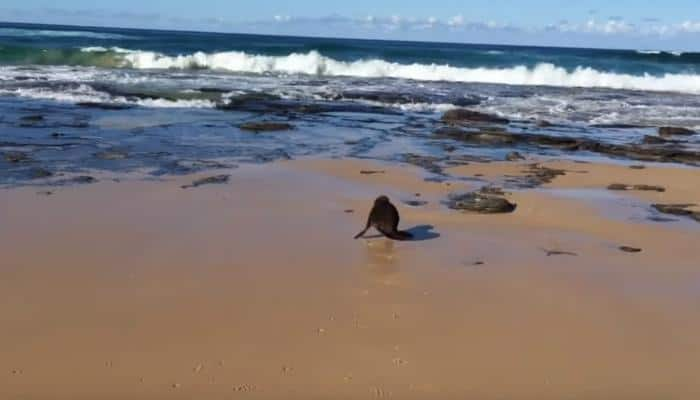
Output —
<point x="170" y="100"/>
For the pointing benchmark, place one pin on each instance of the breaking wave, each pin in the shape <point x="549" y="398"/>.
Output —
<point x="315" y="63"/>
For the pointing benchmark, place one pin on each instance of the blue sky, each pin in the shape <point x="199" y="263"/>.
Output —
<point x="640" y="24"/>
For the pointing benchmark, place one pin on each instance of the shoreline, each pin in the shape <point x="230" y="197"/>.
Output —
<point x="255" y="288"/>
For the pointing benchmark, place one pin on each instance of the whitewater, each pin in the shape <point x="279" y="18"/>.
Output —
<point x="315" y="63"/>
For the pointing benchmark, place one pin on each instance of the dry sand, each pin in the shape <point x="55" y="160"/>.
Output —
<point x="255" y="289"/>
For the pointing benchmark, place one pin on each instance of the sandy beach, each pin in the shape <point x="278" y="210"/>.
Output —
<point x="140" y="289"/>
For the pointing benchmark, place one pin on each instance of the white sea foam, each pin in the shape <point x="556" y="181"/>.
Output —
<point x="657" y="52"/>
<point x="85" y="93"/>
<point x="652" y="52"/>
<point x="94" y="49"/>
<point x="314" y="63"/>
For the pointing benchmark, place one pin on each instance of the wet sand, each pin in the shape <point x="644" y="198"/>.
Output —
<point x="255" y="288"/>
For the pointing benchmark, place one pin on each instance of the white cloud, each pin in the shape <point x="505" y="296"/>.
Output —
<point x="457" y="20"/>
<point x="282" y="18"/>
<point x="689" y="27"/>
<point x="612" y="26"/>
<point x="609" y="27"/>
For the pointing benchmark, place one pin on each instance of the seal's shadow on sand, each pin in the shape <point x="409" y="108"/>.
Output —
<point x="420" y="233"/>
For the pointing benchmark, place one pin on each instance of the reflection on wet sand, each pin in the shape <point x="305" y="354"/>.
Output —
<point x="383" y="263"/>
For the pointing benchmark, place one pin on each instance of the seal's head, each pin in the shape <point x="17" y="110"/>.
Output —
<point x="381" y="200"/>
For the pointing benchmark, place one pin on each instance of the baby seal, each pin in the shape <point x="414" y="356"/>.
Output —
<point x="385" y="218"/>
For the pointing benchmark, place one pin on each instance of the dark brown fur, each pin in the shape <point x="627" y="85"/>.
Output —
<point x="385" y="218"/>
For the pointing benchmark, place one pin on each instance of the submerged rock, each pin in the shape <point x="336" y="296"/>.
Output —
<point x="39" y="173"/>
<point x="16" y="157"/>
<point x="648" y="139"/>
<point x="681" y="210"/>
<point x="32" y="118"/>
<point x="83" y="179"/>
<point x="538" y="175"/>
<point x="212" y="180"/>
<point x="514" y="156"/>
<point x="266" y="126"/>
<point x="462" y="115"/>
<point x="76" y="180"/>
<point x="649" y="188"/>
<point x="415" y="203"/>
<point x="112" y="155"/>
<point x="675" y="131"/>
<point x="384" y="97"/>
<point x="480" y="203"/>
<point x="492" y="190"/>
<point x="429" y="163"/>
<point x="495" y="138"/>
<point x="104" y="106"/>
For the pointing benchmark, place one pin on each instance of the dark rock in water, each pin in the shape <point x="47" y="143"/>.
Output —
<point x="45" y="193"/>
<point x="32" y="121"/>
<point x="83" y="179"/>
<point x="32" y="118"/>
<point x="538" y="175"/>
<point x="681" y="210"/>
<point x="648" y="139"/>
<point x="618" y="186"/>
<point x="79" y="180"/>
<point x="462" y="115"/>
<point x="242" y="100"/>
<point x="213" y="90"/>
<point x="544" y="124"/>
<point x="675" y="131"/>
<point x="618" y="126"/>
<point x="514" y="156"/>
<point x="492" y="190"/>
<point x="349" y="211"/>
<point x="415" y="203"/>
<point x="637" y="166"/>
<point x="480" y="203"/>
<point x="487" y="137"/>
<point x="112" y="155"/>
<point x="39" y="173"/>
<point x="183" y="167"/>
<point x="16" y="157"/>
<point x="673" y="209"/>
<point x="258" y="102"/>
<point x="212" y="180"/>
<point x="429" y="163"/>
<point x="371" y="172"/>
<point x="466" y="101"/>
<point x="657" y="218"/>
<point x="104" y="106"/>
<point x="384" y="97"/>
<point x="628" y="249"/>
<point x="266" y="126"/>
<point x="629" y="151"/>
<point x="649" y="188"/>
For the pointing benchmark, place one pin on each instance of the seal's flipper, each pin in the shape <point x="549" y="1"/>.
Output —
<point x="369" y="224"/>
